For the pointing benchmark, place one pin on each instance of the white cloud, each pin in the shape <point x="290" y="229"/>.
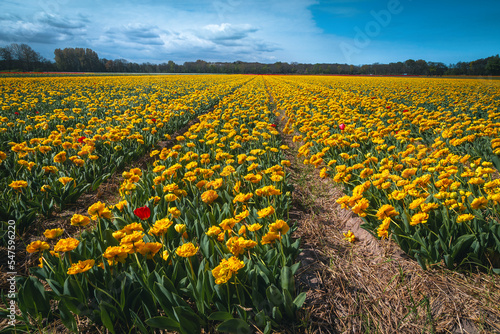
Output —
<point x="161" y="30"/>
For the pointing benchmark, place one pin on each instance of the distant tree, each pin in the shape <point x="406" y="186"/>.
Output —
<point x="7" y="58"/>
<point x="410" y="65"/>
<point x="21" y="56"/>
<point x="493" y="65"/>
<point x="437" y="69"/>
<point x="421" y="67"/>
<point x="78" y="60"/>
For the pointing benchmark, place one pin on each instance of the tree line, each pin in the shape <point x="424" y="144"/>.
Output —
<point x="21" y="57"/>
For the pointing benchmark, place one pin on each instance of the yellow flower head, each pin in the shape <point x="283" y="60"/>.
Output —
<point x="79" y="220"/>
<point x="53" y="233"/>
<point x="253" y="178"/>
<point x="209" y="196"/>
<point x="213" y="231"/>
<point x="279" y="226"/>
<point x="254" y="227"/>
<point x="99" y="209"/>
<point x="465" y="217"/>
<point x="17" y="185"/>
<point x="419" y="218"/>
<point x="171" y="198"/>
<point x="265" y="212"/>
<point x="37" y="246"/>
<point x="226" y="269"/>
<point x="349" y="236"/>
<point x="186" y="250"/>
<point x="149" y="249"/>
<point x="267" y="191"/>
<point x="133" y="238"/>
<point x="115" y="254"/>
<point x="241" y="197"/>
<point x="237" y="245"/>
<point x="65" y="180"/>
<point x="132" y="227"/>
<point x="81" y="267"/>
<point x="176" y="213"/>
<point x="228" y="224"/>
<point x="50" y="169"/>
<point x="360" y="207"/>
<point x="66" y="245"/>
<point x="165" y="255"/>
<point x="416" y="203"/>
<point x="242" y="215"/>
<point x="269" y="237"/>
<point x="407" y="173"/>
<point x="160" y="227"/>
<point x="479" y="203"/>
<point x="120" y="205"/>
<point x="118" y="235"/>
<point x="385" y="211"/>
<point x="180" y="228"/>
<point x="60" y="157"/>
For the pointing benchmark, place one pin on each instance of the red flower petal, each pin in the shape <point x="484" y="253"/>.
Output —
<point x="143" y="212"/>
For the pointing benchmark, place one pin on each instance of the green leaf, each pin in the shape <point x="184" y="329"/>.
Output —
<point x="260" y="319"/>
<point x="295" y="267"/>
<point x="138" y="322"/>
<point x="234" y="326"/>
<point x="163" y="323"/>
<point x="274" y="295"/>
<point x="277" y="314"/>
<point x="289" y="306"/>
<point x="67" y="317"/>
<point x="220" y="316"/>
<point x="35" y="297"/>
<point x="55" y="286"/>
<point x="190" y="322"/>
<point x="71" y="288"/>
<point x="165" y="298"/>
<point x="268" y="328"/>
<point x="106" y="319"/>
<point x="287" y="279"/>
<point x="300" y="299"/>
<point x="462" y="244"/>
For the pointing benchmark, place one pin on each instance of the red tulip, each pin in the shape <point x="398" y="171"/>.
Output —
<point x="388" y="107"/>
<point x="143" y="212"/>
<point x="273" y="125"/>
<point x="342" y="126"/>
<point x="406" y="110"/>
<point x="80" y="140"/>
<point x="16" y="113"/>
<point x="153" y="120"/>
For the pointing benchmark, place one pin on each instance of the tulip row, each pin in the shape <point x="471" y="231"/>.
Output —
<point x="62" y="137"/>
<point x="418" y="158"/>
<point x="200" y="239"/>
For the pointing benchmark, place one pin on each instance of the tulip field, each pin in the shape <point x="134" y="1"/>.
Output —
<point x="201" y="239"/>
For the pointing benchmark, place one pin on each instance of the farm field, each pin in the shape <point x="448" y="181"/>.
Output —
<point x="218" y="204"/>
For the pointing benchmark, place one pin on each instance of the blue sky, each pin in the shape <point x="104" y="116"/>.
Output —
<point x="304" y="31"/>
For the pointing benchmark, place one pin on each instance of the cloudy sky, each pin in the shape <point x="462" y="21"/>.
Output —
<point x="307" y="31"/>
